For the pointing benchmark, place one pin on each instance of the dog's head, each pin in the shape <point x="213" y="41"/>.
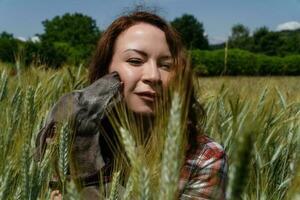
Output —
<point x="104" y="92"/>
<point x="87" y="106"/>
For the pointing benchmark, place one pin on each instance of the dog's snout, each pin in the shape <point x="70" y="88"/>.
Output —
<point x="121" y="87"/>
<point x="116" y="75"/>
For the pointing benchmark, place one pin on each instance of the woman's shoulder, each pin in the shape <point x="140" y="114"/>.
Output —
<point x="205" y="148"/>
<point x="204" y="173"/>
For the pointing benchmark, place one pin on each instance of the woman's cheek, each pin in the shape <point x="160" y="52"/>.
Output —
<point x="129" y="74"/>
<point x="129" y="77"/>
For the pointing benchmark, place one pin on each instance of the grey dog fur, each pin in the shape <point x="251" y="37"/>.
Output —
<point x="85" y="108"/>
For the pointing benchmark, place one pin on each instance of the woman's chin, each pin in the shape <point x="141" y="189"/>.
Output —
<point x="144" y="111"/>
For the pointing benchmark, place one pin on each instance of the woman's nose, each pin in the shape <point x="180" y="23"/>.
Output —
<point x="151" y="73"/>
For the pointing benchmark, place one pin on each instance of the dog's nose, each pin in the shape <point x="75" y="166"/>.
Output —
<point x="116" y="75"/>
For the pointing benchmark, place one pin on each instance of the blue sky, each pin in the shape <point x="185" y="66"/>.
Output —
<point x="23" y="17"/>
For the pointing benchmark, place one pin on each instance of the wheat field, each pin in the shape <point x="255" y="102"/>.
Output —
<point x="256" y="119"/>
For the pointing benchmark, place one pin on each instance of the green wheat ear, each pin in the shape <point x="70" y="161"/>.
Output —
<point x="169" y="175"/>
<point x="129" y="145"/>
<point x="113" y="195"/>
<point x="240" y="171"/>
<point x="64" y="153"/>
<point x="3" y="85"/>
<point x="144" y="183"/>
<point x="294" y="182"/>
<point x="25" y="159"/>
<point x="7" y="180"/>
<point x="128" y="188"/>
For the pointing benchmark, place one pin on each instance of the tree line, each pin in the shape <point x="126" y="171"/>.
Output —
<point x="262" y="40"/>
<point x="71" y="39"/>
<point x="241" y="62"/>
<point x="67" y="39"/>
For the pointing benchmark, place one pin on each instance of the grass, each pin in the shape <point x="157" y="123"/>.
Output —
<point x="256" y="119"/>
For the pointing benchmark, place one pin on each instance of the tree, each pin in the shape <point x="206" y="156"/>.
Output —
<point x="291" y="42"/>
<point x="258" y="36"/>
<point x="191" y="31"/>
<point x="264" y="41"/>
<point x="271" y="43"/>
<point x="5" y="35"/>
<point x="8" y="47"/>
<point x="240" y="37"/>
<point x="74" y="35"/>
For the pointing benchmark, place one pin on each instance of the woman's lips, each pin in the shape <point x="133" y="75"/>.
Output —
<point x="147" y="95"/>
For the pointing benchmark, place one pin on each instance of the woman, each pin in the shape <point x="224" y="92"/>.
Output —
<point x="148" y="55"/>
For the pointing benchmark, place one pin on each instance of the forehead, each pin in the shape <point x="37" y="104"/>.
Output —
<point x="142" y="36"/>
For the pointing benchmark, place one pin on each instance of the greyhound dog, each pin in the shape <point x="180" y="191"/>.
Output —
<point x="85" y="109"/>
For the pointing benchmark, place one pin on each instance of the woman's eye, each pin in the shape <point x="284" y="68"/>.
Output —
<point x="166" y="66"/>
<point x="135" y="61"/>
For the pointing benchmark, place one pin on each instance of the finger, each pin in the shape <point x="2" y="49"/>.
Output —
<point x="55" y="195"/>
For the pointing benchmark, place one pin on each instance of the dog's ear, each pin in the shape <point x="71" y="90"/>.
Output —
<point x="47" y="132"/>
<point x="62" y="111"/>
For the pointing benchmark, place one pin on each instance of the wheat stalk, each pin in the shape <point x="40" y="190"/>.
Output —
<point x="64" y="154"/>
<point x="114" y="187"/>
<point x="3" y="88"/>
<point x="170" y="159"/>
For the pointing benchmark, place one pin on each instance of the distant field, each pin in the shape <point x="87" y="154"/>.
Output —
<point x="251" y="87"/>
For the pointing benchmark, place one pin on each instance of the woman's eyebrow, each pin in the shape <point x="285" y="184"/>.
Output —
<point x="144" y="54"/>
<point x="166" y="57"/>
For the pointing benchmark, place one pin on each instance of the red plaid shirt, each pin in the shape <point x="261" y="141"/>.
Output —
<point x="204" y="173"/>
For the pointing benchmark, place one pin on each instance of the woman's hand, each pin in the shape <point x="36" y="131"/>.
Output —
<point x="55" y="195"/>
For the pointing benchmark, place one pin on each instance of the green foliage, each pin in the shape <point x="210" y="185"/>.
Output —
<point x="32" y="53"/>
<point x="240" y="37"/>
<point x="258" y="36"/>
<point x="72" y="36"/>
<point x="240" y="62"/>
<point x="264" y="41"/>
<point x="75" y="29"/>
<point x="8" y="47"/>
<point x="291" y="42"/>
<point x="191" y="31"/>
<point x="68" y="39"/>
<point x="270" y="43"/>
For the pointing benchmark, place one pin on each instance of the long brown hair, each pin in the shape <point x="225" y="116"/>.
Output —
<point x="105" y="50"/>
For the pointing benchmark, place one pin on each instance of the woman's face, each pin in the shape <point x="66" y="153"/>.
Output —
<point x="144" y="62"/>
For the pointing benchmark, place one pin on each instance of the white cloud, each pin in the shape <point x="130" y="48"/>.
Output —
<point x="32" y="39"/>
<point x="22" y="39"/>
<point x="292" y="25"/>
<point x="216" y="39"/>
<point x="35" y="39"/>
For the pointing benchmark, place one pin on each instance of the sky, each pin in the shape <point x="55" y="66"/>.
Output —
<point x="23" y="18"/>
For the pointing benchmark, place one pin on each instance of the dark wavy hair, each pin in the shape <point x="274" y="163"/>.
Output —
<point x="105" y="50"/>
